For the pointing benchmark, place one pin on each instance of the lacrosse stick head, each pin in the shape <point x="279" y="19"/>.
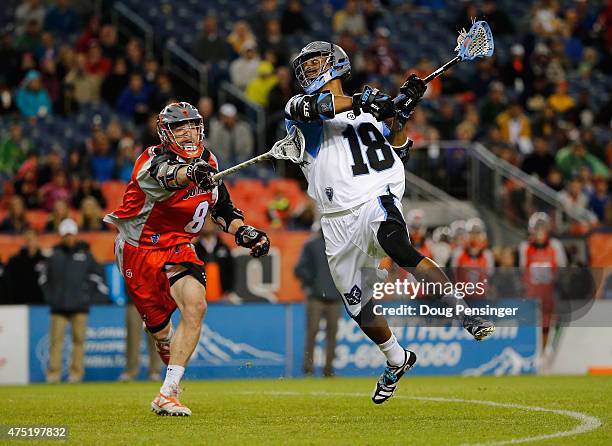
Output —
<point x="291" y="147"/>
<point x="475" y="43"/>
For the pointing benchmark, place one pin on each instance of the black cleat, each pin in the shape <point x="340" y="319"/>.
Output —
<point x="386" y="384"/>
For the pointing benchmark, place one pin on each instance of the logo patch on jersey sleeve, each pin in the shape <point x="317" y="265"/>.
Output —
<point x="329" y="191"/>
<point x="155" y="238"/>
<point x="354" y="296"/>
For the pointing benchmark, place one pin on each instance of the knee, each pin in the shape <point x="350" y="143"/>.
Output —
<point x="194" y="308"/>
<point x="394" y="239"/>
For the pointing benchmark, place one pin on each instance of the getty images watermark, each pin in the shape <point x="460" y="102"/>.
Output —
<point x="454" y="294"/>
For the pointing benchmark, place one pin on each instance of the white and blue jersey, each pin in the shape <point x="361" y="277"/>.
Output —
<point x="348" y="161"/>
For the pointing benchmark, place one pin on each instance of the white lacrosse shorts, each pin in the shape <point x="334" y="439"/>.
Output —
<point x="353" y="251"/>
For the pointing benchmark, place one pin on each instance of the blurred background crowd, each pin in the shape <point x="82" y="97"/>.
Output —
<point x="79" y="99"/>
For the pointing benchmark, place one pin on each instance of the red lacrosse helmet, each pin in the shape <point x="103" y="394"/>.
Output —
<point x="184" y="117"/>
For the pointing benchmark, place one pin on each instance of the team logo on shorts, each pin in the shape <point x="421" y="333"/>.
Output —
<point x="354" y="296"/>
<point x="329" y="191"/>
<point x="155" y="238"/>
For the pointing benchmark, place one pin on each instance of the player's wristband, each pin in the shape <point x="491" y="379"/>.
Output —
<point x="356" y="103"/>
<point x="325" y="105"/>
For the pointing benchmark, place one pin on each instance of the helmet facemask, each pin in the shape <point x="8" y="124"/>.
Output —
<point x="183" y="137"/>
<point x="310" y="67"/>
<point x="318" y="63"/>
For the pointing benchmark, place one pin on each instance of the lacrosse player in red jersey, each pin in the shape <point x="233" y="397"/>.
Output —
<point x="540" y="258"/>
<point x="165" y="205"/>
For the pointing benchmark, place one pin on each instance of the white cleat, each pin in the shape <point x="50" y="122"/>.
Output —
<point x="169" y="405"/>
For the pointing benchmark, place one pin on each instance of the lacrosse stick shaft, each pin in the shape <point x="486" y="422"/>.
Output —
<point x="442" y="69"/>
<point x="237" y="167"/>
<point x="432" y="76"/>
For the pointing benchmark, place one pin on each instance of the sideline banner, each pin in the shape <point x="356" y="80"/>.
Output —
<point x="244" y="341"/>
<point x="444" y="350"/>
<point x="266" y="341"/>
<point x="13" y="344"/>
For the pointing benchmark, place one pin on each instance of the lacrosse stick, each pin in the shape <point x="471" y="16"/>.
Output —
<point x="474" y="44"/>
<point x="290" y="148"/>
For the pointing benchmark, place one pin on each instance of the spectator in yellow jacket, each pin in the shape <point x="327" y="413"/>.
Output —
<point x="515" y="128"/>
<point x="259" y="88"/>
<point x="560" y="101"/>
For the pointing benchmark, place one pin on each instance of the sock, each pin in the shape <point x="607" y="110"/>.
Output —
<point x="393" y="351"/>
<point x="174" y="373"/>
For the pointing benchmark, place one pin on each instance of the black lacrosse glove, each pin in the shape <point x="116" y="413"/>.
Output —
<point x="413" y="90"/>
<point x="201" y="173"/>
<point x="375" y="102"/>
<point x="249" y="237"/>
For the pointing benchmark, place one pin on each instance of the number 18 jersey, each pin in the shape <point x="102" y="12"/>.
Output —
<point x="348" y="161"/>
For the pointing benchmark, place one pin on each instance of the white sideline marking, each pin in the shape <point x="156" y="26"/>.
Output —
<point x="587" y="422"/>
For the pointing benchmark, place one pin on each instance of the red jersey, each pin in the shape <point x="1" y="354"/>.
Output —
<point x="152" y="217"/>
<point x="539" y="264"/>
<point x="472" y="269"/>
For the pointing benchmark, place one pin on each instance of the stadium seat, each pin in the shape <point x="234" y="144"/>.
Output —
<point x="249" y="188"/>
<point x="113" y="192"/>
<point x="37" y="218"/>
<point x="286" y="185"/>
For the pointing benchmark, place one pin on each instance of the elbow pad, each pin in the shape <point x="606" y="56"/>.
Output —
<point x="312" y="107"/>
<point x="166" y="175"/>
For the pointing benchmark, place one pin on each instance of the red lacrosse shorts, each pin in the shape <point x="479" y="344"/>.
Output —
<point x="147" y="274"/>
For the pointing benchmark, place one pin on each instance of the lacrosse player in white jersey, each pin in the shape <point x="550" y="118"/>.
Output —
<point x="354" y="166"/>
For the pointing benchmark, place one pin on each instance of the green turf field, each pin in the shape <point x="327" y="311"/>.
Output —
<point x="425" y="411"/>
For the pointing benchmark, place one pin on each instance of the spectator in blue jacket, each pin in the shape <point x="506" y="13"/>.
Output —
<point x="102" y="160"/>
<point x="134" y="99"/>
<point x="32" y="100"/>
<point x="62" y="20"/>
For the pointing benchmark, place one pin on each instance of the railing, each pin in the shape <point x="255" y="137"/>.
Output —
<point x="255" y="114"/>
<point x="129" y="23"/>
<point x="470" y="171"/>
<point x="186" y="67"/>
<point x="450" y="208"/>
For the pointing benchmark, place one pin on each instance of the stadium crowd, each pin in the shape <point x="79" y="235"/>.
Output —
<point x="536" y="107"/>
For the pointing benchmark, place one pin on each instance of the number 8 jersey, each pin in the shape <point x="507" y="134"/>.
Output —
<point x="152" y="217"/>
<point x="348" y="160"/>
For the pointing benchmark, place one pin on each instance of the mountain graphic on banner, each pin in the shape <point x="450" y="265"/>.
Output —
<point x="508" y="362"/>
<point x="215" y="349"/>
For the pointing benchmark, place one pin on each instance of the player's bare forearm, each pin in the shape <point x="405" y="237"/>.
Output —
<point x="234" y="225"/>
<point x="342" y="103"/>
<point x="399" y="132"/>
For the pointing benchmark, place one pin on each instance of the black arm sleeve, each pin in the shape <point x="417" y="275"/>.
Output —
<point x="311" y="107"/>
<point x="224" y="212"/>
<point x="164" y="169"/>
